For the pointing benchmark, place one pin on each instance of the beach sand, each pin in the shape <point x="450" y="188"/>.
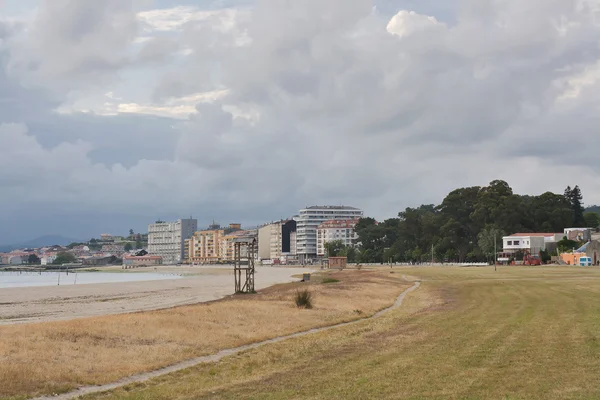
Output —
<point x="193" y="285"/>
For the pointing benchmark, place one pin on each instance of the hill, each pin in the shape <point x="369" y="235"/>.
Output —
<point x="592" y="209"/>
<point x="47" y="240"/>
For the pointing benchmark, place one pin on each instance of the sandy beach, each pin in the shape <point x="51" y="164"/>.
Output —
<point x="190" y="285"/>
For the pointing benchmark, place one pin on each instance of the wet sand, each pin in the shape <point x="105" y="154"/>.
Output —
<point x="194" y="285"/>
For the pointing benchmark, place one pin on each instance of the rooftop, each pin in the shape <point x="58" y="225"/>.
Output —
<point x="332" y="208"/>
<point x="536" y="234"/>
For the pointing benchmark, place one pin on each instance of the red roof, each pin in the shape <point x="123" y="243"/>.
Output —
<point x="536" y="234"/>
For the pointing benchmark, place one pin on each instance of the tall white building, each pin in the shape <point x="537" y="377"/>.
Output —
<point x="309" y="220"/>
<point x="342" y="230"/>
<point x="166" y="239"/>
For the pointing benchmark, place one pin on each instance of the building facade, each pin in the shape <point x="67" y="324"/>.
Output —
<point x="138" y="261"/>
<point x="579" y="234"/>
<point x="276" y="241"/>
<point x="204" y="247"/>
<point x="309" y="219"/>
<point x="213" y="245"/>
<point x="166" y="239"/>
<point x="342" y="230"/>
<point x="530" y="243"/>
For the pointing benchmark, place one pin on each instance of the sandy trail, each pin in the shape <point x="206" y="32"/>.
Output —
<point x="52" y="303"/>
<point x="218" y="356"/>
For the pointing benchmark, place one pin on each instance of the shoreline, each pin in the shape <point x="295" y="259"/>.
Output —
<point x="193" y="285"/>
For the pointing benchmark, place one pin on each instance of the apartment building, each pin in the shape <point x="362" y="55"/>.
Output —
<point x="342" y="230"/>
<point x="212" y="245"/>
<point x="166" y="239"/>
<point x="309" y="219"/>
<point x="277" y="240"/>
<point x="203" y="246"/>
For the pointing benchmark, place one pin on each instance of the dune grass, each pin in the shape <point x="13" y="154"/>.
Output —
<point x="466" y="333"/>
<point x="54" y="357"/>
<point x="304" y="299"/>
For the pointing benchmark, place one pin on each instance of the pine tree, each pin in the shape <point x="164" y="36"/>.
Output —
<point x="575" y="200"/>
<point x="577" y="205"/>
<point x="568" y="193"/>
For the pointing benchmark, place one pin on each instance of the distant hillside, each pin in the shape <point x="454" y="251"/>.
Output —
<point x="593" y="209"/>
<point x="48" y="240"/>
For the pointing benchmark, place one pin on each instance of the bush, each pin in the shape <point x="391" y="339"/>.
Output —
<point x="304" y="299"/>
<point x="330" y="280"/>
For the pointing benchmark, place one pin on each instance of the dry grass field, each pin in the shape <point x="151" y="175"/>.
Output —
<point x="466" y="333"/>
<point x="53" y="357"/>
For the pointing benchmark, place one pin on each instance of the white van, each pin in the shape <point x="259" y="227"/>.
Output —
<point x="585" y="261"/>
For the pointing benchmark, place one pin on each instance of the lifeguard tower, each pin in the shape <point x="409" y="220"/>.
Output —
<point x="244" y="253"/>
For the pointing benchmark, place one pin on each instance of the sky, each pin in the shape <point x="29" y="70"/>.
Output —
<point x="116" y="113"/>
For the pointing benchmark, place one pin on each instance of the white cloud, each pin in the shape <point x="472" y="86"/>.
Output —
<point x="175" y="19"/>
<point x="178" y="108"/>
<point x="405" y="23"/>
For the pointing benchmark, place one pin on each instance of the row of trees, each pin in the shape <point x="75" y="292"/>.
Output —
<point x="468" y="224"/>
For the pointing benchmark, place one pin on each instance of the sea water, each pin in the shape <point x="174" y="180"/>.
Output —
<point x="12" y="279"/>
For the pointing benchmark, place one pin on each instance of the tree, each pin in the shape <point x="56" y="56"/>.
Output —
<point x="545" y="256"/>
<point x="566" y="245"/>
<point x="64" y="258"/>
<point x="351" y="254"/>
<point x="459" y="228"/>
<point x="592" y="220"/>
<point x="335" y="248"/>
<point x="575" y="199"/>
<point x="138" y="244"/>
<point x="128" y="247"/>
<point x="131" y="232"/>
<point x="488" y="240"/>
<point x="549" y="212"/>
<point x="33" y="259"/>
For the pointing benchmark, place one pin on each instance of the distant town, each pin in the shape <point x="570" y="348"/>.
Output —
<point x="472" y="225"/>
<point x="300" y="239"/>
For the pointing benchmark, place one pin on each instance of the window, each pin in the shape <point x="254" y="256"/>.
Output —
<point x="509" y="243"/>
<point x="516" y="242"/>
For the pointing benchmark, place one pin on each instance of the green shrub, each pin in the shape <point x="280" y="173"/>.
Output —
<point x="304" y="299"/>
<point x="330" y="280"/>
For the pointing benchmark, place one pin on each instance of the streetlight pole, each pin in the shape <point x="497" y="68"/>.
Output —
<point x="495" y="253"/>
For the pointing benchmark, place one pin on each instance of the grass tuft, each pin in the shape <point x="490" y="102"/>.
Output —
<point x="304" y="299"/>
<point x="330" y="280"/>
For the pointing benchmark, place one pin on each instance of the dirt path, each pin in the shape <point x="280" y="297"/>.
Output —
<point x="218" y="356"/>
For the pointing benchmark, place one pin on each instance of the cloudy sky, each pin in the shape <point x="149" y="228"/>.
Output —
<point x="114" y="113"/>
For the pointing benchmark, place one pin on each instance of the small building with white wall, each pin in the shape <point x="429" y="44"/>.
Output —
<point x="48" y="259"/>
<point x="16" y="260"/>
<point x="530" y="243"/>
<point x="579" y="234"/>
<point x="137" y="261"/>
